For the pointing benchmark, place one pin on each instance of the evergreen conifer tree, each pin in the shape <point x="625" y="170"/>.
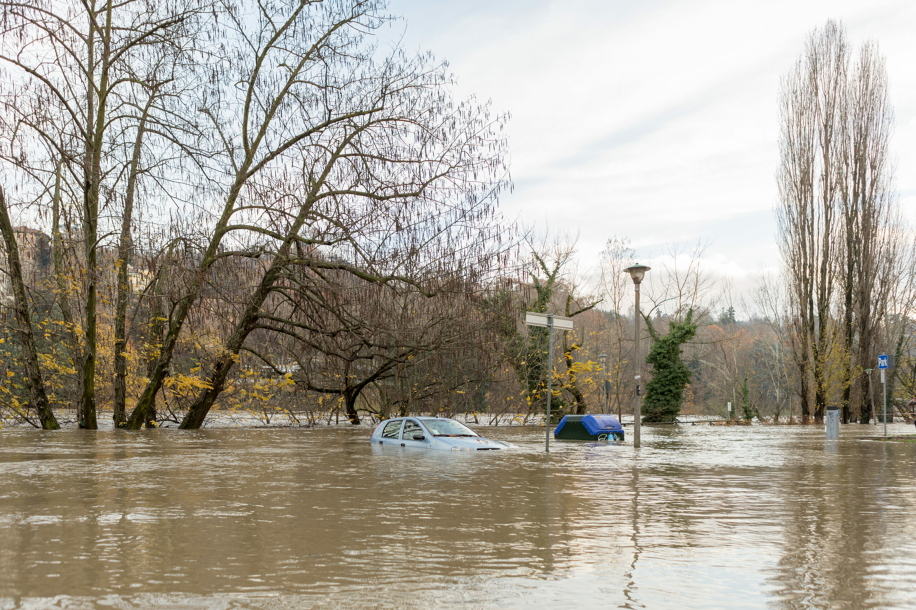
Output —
<point x="665" y="393"/>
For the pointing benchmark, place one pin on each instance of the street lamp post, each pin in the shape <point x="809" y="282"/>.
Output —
<point x="637" y="272"/>
<point x="602" y="360"/>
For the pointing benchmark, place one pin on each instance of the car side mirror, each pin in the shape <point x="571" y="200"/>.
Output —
<point x="419" y="437"/>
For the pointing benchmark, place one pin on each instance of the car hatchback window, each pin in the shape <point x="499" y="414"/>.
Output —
<point x="411" y="428"/>
<point x="391" y="429"/>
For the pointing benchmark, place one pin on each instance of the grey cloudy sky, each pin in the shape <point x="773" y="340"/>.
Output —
<point x="654" y="120"/>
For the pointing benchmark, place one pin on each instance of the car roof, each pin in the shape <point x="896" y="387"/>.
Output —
<point x="424" y="417"/>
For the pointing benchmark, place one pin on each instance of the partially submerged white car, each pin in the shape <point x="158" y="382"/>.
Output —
<point x="432" y="433"/>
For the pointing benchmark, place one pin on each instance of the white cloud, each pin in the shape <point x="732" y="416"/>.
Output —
<point x="654" y="120"/>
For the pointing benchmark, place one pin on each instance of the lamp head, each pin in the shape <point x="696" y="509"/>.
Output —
<point x="637" y="272"/>
<point x="602" y="358"/>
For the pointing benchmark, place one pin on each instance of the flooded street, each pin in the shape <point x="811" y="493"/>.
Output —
<point x="700" y="517"/>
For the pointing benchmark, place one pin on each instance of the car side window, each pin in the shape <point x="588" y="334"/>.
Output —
<point x="410" y="428"/>
<point x="391" y="429"/>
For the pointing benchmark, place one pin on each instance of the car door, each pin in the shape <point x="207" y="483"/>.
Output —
<point x="413" y="434"/>
<point x="391" y="433"/>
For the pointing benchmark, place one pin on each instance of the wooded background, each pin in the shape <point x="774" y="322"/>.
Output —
<point x="257" y="208"/>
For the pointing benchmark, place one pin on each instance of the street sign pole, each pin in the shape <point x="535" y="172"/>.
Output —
<point x="548" y="320"/>
<point x="549" y="379"/>
<point x="883" y="363"/>
<point x="884" y="383"/>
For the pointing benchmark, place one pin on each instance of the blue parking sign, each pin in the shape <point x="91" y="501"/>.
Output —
<point x="882" y="361"/>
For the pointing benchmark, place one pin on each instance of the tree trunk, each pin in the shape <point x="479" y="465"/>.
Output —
<point x="868" y="409"/>
<point x="802" y="363"/>
<point x="87" y="401"/>
<point x="847" y="349"/>
<point x="95" y="130"/>
<point x="244" y="325"/>
<point x="63" y="286"/>
<point x="350" y="401"/>
<point x="37" y="395"/>
<point x="892" y="376"/>
<point x="572" y="386"/>
<point x="123" y="284"/>
<point x="157" y="372"/>
<point x="156" y="327"/>
<point x="63" y="290"/>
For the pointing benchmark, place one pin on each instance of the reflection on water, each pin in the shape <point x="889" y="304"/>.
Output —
<point x="700" y="517"/>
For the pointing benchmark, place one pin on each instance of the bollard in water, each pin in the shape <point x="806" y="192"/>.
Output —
<point x="833" y="423"/>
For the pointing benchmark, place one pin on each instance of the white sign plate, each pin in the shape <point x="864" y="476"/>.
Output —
<point x="540" y="319"/>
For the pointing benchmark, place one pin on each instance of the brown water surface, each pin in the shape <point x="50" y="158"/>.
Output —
<point x="700" y="517"/>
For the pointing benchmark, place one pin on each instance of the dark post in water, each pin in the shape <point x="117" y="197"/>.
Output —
<point x="637" y="272"/>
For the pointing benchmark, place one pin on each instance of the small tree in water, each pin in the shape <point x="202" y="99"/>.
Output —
<point x="665" y="393"/>
<point x="746" y="402"/>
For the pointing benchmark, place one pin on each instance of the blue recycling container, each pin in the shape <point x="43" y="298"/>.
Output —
<point x="588" y="428"/>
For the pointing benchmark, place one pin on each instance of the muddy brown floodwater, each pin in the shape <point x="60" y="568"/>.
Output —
<point x="700" y="517"/>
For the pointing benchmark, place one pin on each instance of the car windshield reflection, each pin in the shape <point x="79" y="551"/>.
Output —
<point x="447" y="427"/>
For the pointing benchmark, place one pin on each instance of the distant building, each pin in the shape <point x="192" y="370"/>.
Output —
<point x="139" y="278"/>
<point x="35" y="257"/>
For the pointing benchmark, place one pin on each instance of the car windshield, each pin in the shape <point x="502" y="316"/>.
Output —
<point x="447" y="427"/>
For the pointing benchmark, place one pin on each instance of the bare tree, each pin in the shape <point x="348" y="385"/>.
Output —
<point x="683" y="283"/>
<point x="34" y="380"/>
<point x="870" y="223"/>
<point x="839" y="228"/>
<point x="292" y="134"/>
<point x="550" y="286"/>
<point x="325" y="147"/>
<point x="770" y="300"/>
<point x="898" y="333"/>
<point x="809" y="181"/>
<point x="71" y="67"/>
<point x="616" y="291"/>
<point x="345" y="335"/>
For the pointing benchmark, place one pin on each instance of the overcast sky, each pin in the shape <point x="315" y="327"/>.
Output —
<point x="654" y="120"/>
